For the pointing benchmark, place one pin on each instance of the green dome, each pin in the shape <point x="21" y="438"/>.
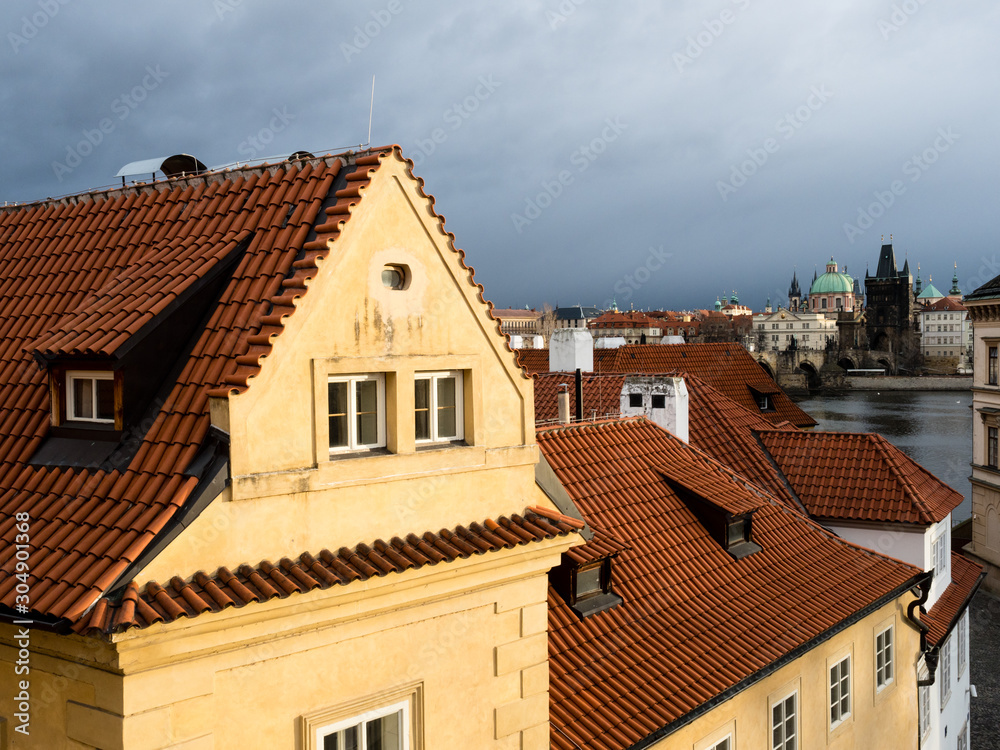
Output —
<point x="930" y="292"/>
<point x="832" y="282"/>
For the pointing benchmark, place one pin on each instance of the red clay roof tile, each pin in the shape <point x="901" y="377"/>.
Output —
<point x="213" y="593"/>
<point x="858" y="477"/>
<point x="84" y="274"/>
<point x="965" y="579"/>
<point x="694" y="622"/>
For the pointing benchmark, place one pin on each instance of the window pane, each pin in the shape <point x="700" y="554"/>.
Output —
<point x="337" y="396"/>
<point x="367" y="396"/>
<point x="588" y="581"/>
<point x="345" y="739"/>
<point x="422" y="404"/>
<point x="83" y="398"/>
<point x="367" y="415"/>
<point x="384" y="733"/>
<point x="447" y="414"/>
<point x="105" y="399"/>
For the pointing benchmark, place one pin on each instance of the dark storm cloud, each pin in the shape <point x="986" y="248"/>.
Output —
<point x="581" y="150"/>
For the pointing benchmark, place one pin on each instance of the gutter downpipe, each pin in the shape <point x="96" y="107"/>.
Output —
<point x="931" y="656"/>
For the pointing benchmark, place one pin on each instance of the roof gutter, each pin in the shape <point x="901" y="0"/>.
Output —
<point x="774" y="666"/>
<point x="932" y="654"/>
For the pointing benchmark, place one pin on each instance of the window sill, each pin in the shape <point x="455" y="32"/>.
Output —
<point x="594" y="604"/>
<point x="440" y="445"/>
<point x="337" y="455"/>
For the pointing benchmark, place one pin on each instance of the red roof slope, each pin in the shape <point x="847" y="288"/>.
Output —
<point x="601" y="395"/>
<point x="694" y="622"/>
<point x="213" y="593"/>
<point x="65" y="267"/>
<point x="727" y="367"/>
<point x="725" y="430"/>
<point x="859" y="476"/>
<point x="965" y="579"/>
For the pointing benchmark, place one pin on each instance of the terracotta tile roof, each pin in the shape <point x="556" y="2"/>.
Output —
<point x="533" y="360"/>
<point x="945" y="304"/>
<point x="624" y="320"/>
<point x="725" y="430"/>
<point x="727" y="367"/>
<point x="695" y="623"/>
<point x="965" y="579"/>
<point x="858" y="476"/>
<point x="85" y="273"/>
<point x="601" y="395"/>
<point x="204" y="593"/>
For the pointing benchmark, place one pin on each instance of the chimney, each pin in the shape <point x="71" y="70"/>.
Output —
<point x="609" y="342"/>
<point x="571" y="349"/>
<point x="664" y="402"/>
<point x="564" y="405"/>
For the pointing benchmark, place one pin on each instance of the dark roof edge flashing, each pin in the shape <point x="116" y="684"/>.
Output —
<point x="651" y="739"/>
<point x="211" y="465"/>
<point x="549" y="484"/>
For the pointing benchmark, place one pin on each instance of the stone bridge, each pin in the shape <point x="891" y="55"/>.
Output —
<point x="804" y="370"/>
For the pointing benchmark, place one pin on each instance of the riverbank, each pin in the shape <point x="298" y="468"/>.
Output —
<point x="905" y="383"/>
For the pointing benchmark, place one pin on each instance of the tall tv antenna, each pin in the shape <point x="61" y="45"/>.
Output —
<point x="371" y="108"/>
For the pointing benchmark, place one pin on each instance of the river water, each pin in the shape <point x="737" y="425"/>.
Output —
<point x="934" y="428"/>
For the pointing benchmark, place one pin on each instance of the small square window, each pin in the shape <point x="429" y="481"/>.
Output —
<point x="659" y="401"/>
<point x="356" y="412"/>
<point x="725" y="744"/>
<point x="90" y="397"/>
<point x="437" y="407"/>
<point x="635" y="400"/>
<point x="588" y="582"/>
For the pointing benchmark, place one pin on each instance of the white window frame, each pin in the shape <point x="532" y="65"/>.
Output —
<point x="945" y="675"/>
<point x="785" y="743"/>
<point x="832" y="703"/>
<point x="403" y="706"/>
<point x="726" y="743"/>
<point x="433" y="377"/>
<point x="885" y="675"/>
<point x="963" y="738"/>
<point x="963" y="642"/>
<point x="924" y="699"/>
<point x="352" y="412"/>
<point x="940" y="553"/>
<point x="95" y="375"/>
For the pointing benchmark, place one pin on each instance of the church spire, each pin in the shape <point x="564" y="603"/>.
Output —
<point x="954" y="283"/>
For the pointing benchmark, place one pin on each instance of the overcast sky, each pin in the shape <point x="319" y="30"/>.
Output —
<point x="659" y="154"/>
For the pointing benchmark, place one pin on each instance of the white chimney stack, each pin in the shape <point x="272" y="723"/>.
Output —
<point x="609" y="342"/>
<point x="664" y="401"/>
<point x="571" y="349"/>
<point x="564" y="412"/>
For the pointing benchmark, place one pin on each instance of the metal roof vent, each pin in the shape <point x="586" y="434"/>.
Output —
<point x="170" y="166"/>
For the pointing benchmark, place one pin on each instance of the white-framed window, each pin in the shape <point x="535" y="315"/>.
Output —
<point x="940" y="555"/>
<point x="90" y="396"/>
<point x="840" y="691"/>
<point x="945" y="667"/>
<point x="963" y="738"/>
<point x="356" y="412"/>
<point x="784" y="723"/>
<point x="724" y="744"/>
<point x="963" y="643"/>
<point x="438" y="414"/>
<point x="924" y="698"/>
<point x="883" y="659"/>
<point x="380" y="729"/>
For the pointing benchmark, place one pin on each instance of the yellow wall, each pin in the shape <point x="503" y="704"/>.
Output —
<point x="887" y="720"/>
<point x="467" y="638"/>
<point x="287" y="495"/>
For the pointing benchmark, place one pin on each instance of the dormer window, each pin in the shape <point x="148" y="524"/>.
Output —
<point x="90" y="397"/>
<point x="765" y="401"/>
<point x="585" y="586"/>
<point x="739" y="542"/>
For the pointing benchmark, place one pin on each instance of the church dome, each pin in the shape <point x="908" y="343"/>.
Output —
<point x="832" y="282"/>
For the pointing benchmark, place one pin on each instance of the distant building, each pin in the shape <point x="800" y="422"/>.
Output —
<point x="890" y="304"/>
<point x="634" y="327"/>
<point x="945" y="330"/>
<point x="832" y="292"/>
<point x="518" y="322"/>
<point x="784" y="329"/>
<point x="576" y="316"/>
